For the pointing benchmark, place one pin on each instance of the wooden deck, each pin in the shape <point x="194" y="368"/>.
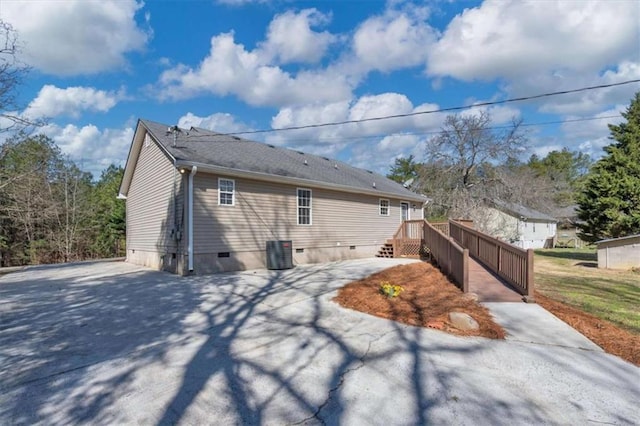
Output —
<point x="489" y="287"/>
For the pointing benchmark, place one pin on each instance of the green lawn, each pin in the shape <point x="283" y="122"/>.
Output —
<point x="572" y="276"/>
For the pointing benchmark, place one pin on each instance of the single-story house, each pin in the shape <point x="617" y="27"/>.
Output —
<point x="521" y="226"/>
<point x="619" y="253"/>
<point x="201" y="202"/>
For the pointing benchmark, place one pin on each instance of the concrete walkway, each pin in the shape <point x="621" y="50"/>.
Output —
<point x="531" y="323"/>
<point x="113" y="343"/>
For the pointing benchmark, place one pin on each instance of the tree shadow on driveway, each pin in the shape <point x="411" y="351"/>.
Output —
<point x="57" y="322"/>
<point x="118" y="344"/>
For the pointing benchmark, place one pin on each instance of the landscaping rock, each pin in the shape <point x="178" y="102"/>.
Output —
<point x="471" y="296"/>
<point x="463" y="321"/>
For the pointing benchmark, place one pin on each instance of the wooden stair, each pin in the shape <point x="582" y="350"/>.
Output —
<point x="386" y="250"/>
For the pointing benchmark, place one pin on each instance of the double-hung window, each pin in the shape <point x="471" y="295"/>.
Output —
<point x="226" y="192"/>
<point x="384" y="207"/>
<point x="304" y="206"/>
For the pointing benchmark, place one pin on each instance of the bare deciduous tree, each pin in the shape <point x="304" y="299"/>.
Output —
<point x="467" y="141"/>
<point x="459" y="172"/>
<point x="12" y="72"/>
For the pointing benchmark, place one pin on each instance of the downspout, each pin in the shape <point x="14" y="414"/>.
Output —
<point x="193" y="172"/>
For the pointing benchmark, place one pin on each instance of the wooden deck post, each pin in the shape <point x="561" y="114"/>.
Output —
<point x="530" y="296"/>
<point x="465" y="271"/>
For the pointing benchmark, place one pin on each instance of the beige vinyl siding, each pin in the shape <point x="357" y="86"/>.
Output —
<point x="267" y="211"/>
<point x="150" y="209"/>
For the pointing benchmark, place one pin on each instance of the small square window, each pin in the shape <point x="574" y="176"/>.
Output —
<point x="384" y="207"/>
<point x="226" y="192"/>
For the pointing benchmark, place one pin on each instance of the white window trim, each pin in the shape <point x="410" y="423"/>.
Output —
<point x="310" y="207"/>
<point x="233" y="192"/>
<point x="380" y="200"/>
<point x="408" y="209"/>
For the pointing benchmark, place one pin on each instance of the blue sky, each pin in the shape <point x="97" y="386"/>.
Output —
<point x="242" y="65"/>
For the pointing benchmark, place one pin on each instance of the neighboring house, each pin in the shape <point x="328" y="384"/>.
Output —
<point x="200" y="202"/>
<point x="517" y="224"/>
<point x="619" y="253"/>
<point x="567" y="217"/>
<point x="568" y="234"/>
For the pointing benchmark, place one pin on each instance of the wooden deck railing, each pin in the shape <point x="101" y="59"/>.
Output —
<point x="441" y="226"/>
<point x="407" y="240"/>
<point x="452" y="259"/>
<point x="509" y="262"/>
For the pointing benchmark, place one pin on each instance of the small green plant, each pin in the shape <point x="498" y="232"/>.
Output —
<point x="390" y="290"/>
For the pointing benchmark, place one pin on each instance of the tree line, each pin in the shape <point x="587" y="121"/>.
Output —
<point x="470" y="162"/>
<point x="52" y="211"/>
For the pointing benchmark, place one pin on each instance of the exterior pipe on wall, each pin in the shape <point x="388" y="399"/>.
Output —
<point x="194" y="170"/>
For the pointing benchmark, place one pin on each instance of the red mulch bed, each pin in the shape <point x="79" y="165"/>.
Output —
<point x="429" y="296"/>
<point x="609" y="337"/>
<point x="427" y="299"/>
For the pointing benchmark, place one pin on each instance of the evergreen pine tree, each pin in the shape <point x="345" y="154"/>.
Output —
<point x="609" y="203"/>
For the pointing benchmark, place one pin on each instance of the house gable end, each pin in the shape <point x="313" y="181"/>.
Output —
<point x="141" y="134"/>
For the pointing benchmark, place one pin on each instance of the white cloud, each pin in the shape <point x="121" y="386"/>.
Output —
<point x="291" y="39"/>
<point x="588" y="102"/>
<point x="230" y="69"/>
<point x="512" y="39"/>
<point x="500" y="114"/>
<point x="366" y="107"/>
<point x="218" y="122"/>
<point x="394" y="40"/>
<point x="53" y="101"/>
<point x="76" y="36"/>
<point x="380" y="155"/>
<point x="591" y="136"/>
<point x="90" y="148"/>
<point x="393" y="144"/>
<point x="595" y="126"/>
<point x="382" y="105"/>
<point x="372" y="145"/>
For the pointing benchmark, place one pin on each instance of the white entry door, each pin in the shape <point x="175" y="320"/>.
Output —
<point x="404" y="207"/>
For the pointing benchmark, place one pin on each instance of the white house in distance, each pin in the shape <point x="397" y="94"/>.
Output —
<point x="200" y="202"/>
<point x="619" y="253"/>
<point x="517" y="224"/>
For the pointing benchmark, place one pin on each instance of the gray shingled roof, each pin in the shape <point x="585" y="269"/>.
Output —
<point x="215" y="149"/>
<point x="522" y="211"/>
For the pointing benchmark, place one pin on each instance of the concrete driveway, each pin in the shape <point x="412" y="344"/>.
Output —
<point x="112" y="343"/>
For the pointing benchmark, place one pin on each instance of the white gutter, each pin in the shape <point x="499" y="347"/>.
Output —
<point x="194" y="170"/>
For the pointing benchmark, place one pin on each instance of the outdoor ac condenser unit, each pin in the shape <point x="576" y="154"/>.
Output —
<point x="279" y="255"/>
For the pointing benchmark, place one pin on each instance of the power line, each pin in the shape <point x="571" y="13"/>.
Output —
<point x="435" y="132"/>
<point x="413" y="114"/>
